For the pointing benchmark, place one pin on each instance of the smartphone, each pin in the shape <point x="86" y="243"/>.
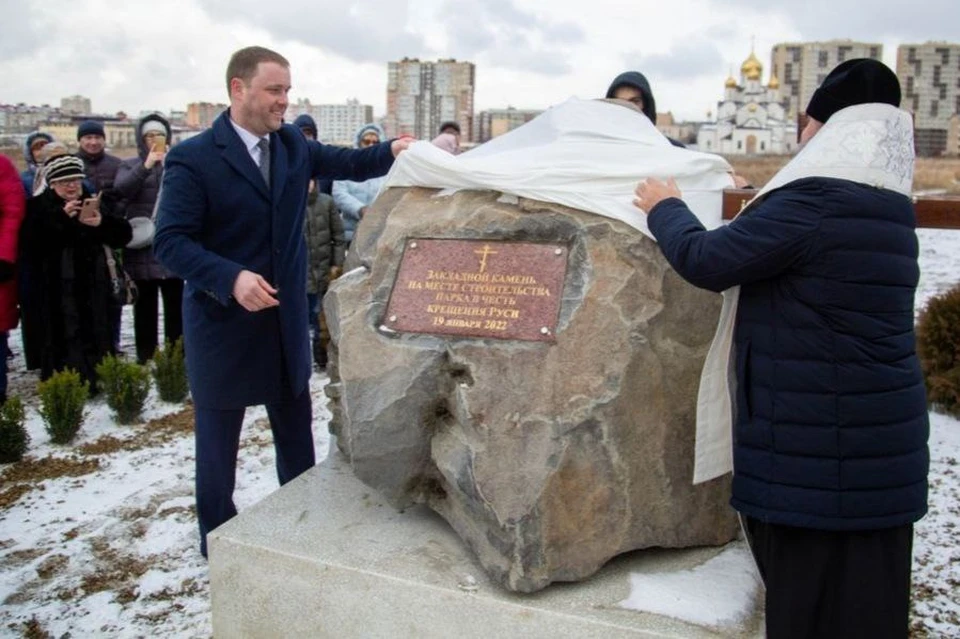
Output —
<point x="90" y="207"/>
<point x="160" y="144"/>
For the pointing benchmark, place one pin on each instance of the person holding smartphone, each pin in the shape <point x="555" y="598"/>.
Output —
<point x="138" y="183"/>
<point x="64" y="232"/>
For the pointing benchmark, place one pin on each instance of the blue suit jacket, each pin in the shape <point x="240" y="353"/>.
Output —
<point x="217" y="217"/>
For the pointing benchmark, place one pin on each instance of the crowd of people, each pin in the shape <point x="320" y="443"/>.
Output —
<point x="61" y="289"/>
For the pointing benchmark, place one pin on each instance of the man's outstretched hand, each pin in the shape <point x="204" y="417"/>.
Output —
<point x="400" y="145"/>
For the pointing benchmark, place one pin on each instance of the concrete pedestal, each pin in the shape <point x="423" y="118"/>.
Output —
<point x="325" y="557"/>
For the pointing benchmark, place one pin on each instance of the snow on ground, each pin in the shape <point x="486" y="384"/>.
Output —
<point x="104" y="542"/>
<point x="99" y="538"/>
<point x="728" y="602"/>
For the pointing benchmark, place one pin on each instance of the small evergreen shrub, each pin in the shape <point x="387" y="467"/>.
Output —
<point x="938" y="345"/>
<point x="170" y="372"/>
<point x="13" y="435"/>
<point x="61" y="404"/>
<point x="125" y="385"/>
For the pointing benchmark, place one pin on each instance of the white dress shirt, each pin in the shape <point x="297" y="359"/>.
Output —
<point x="250" y="141"/>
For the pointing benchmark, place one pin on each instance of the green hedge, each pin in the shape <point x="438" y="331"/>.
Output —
<point x="938" y="345"/>
<point x="13" y="435"/>
<point x="62" y="398"/>
<point x="125" y="385"/>
<point x="170" y="372"/>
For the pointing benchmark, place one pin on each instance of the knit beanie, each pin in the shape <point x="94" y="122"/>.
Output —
<point x="153" y="126"/>
<point x="857" y="81"/>
<point x="90" y="127"/>
<point x="63" y="167"/>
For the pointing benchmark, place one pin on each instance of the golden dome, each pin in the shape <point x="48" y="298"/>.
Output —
<point x="731" y="83"/>
<point x="752" y="69"/>
<point x="774" y="83"/>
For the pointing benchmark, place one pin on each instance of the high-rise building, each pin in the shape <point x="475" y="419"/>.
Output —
<point x="336" y="123"/>
<point x="298" y="108"/>
<point x="75" y="105"/>
<point x="202" y="114"/>
<point x="493" y="122"/>
<point x="930" y="80"/>
<point x="953" y="136"/>
<point x="423" y="95"/>
<point x="800" y="67"/>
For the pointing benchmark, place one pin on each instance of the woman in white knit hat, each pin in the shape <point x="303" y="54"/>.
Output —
<point x="138" y="182"/>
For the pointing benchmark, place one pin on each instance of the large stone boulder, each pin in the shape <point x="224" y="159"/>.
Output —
<point x="547" y="457"/>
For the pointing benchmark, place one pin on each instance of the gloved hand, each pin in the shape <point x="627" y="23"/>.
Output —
<point x="335" y="272"/>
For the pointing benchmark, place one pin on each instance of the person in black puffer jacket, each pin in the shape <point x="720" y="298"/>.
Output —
<point x="138" y="183"/>
<point x="326" y="246"/>
<point x="830" y="425"/>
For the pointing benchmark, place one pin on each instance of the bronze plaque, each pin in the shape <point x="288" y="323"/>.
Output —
<point x="478" y="288"/>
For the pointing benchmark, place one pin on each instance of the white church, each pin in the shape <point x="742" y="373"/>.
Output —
<point x="751" y="119"/>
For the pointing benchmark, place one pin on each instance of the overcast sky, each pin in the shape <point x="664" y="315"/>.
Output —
<point x="134" y="55"/>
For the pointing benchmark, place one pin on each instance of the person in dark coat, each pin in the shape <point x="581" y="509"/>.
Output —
<point x="633" y="86"/>
<point x="308" y="127"/>
<point x="830" y="419"/>
<point x="27" y="288"/>
<point x="98" y="165"/>
<point x="101" y="168"/>
<point x="74" y="278"/>
<point x="326" y="246"/>
<point x="31" y="156"/>
<point x="138" y="183"/>
<point x="12" y="204"/>
<point x="230" y="222"/>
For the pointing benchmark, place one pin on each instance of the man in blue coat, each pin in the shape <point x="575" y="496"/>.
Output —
<point x="230" y="222"/>
<point x="830" y="419"/>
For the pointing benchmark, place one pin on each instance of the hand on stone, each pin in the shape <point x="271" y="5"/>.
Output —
<point x="253" y="292"/>
<point x="651" y="192"/>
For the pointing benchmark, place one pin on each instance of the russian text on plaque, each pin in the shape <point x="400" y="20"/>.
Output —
<point x="478" y="288"/>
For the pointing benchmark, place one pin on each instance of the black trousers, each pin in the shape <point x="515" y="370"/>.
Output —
<point x="823" y="584"/>
<point x="145" y="314"/>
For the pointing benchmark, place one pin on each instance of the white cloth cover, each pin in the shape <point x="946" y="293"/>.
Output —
<point x="871" y="144"/>
<point x="585" y="154"/>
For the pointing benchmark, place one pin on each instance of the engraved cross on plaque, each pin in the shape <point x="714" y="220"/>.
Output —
<point x="483" y="253"/>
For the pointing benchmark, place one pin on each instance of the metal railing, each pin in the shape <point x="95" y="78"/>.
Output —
<point x="934" y="212"/>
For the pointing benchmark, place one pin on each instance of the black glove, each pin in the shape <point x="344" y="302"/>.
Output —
<point x="6" y="271"/>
